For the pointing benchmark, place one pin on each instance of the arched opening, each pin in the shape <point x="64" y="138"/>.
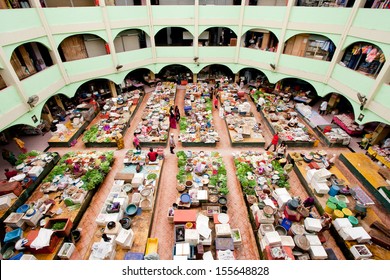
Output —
<point x="172" y="2"/>
<point x="30" y="58"/>
<point x="135" y="79"/>
<point x="125" y="2"/>
<point x="131" y="39"/>
<point x="214" y="73"/>
<point x="173" y="36"/>
<point x="297" y="90"/>
<point x="82" y="46"/>
<point x="177" y="73"/>
<point x="260" y="39"/>
<point x="364" y="57"/>
<point x="311" y="46"/>
<point x="97" y="89"/>
<point x="218" y="36"/>
<point x="253" y="77"/>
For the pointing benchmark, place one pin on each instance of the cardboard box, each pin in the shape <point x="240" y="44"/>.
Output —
<point x="318" y="253"/>
<point x="15" y="220"/>
<point x="313" y="240"/>
<point x="66" y="251"/>
<point x="341" y="223"/>
<point x="223" y="230"/>
<point x="5" y="202"/>
<point x="360" y="252"/>
<point x="191" y="236"/>
<point x="273" y="238"/>
<point x="312" y="224"/>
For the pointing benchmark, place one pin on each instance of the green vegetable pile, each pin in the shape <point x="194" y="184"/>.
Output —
<point x="91" y="134"/>
<point x="151" y="176"/>
<point x="58" y="226"/>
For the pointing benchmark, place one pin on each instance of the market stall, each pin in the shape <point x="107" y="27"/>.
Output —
<point x="281" y="117"/>
<point x="369" y="174"/>
<point x="113" y="120"/>
<point x="330" y="134"/>
<point x="31" y="168"/>
<point x="349" y="207"/>
<point x="202" y="229"/>
<point x="64" y="135"/>
<point x="126" y="215"/>
<point x="287" y="228"/>
<point x="154" y="128"/>
<point x="347" y="122"/>
<point x="56" y="207"/>
<point x="243" y="128"/>
<point x="380" y="154"/>
<point x="197" y="126"/>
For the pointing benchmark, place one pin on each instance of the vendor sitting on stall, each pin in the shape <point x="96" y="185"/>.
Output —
<point x="152" y="155"/>
<point x="257" y="128"/>
<point x="281" y="150"/>
<point x="308" y="203"/>
<point x="293" y="121"/>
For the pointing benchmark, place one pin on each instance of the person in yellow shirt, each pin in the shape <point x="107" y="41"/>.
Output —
<point x="20" y="144"/>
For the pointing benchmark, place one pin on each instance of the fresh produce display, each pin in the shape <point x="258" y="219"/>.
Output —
<point x="260" y="171"/>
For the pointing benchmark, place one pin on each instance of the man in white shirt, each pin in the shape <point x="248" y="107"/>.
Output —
<point x="260" y="103"/>
<point x="323" y="107"/>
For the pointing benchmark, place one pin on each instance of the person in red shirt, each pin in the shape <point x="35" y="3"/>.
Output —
<point x="152" y="155"/>
<point x="9" y="174"/>
<point x="215" y="101"/>
<point x="274" y="141"/>
<point x="136" y="142"/>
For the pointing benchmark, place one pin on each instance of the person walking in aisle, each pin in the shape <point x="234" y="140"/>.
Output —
<point x="136" y="142"/>
<point x="323" y="107"/>
<point x="177" y="114"/>
<point x="274" y="142"/>
<point x="20" y="144"/>
<point x="215" y="102"/>
<point x="172" y="143"/>
<point x="260" y="103"/>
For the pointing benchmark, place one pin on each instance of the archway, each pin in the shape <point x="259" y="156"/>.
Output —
<point x="214" y="72"/>
<point x="364" y="57"/>
<point x="30" y="58"/>
<point x="311" y="46"/>
<point x="253" y="77"/>
<point x="300" y="90"/>
<point x="131" y="39"/>
<point x="218" y="36"/>
<point x="260" y="39"/>
<point x="82" y="46"/>
<point x="173" y="36"/>
<point x="135" y="79"/>
<point x="176" y="73"/>
<point x="98" y="89"/>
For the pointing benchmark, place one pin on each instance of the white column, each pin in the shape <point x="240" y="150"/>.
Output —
<point x="151" y="30"/>
<point x="110" y="42"/>
<point x="195" y="42"/>
<point x="239" y="33"/>
<point x="282" y="36"/>
<point x="338" y="53"/>
<point x="382" y="78"/>
<point x="11" y="79"/>
<point x="54" y="53"/>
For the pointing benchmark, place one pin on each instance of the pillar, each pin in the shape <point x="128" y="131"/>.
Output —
<point x="237" y="77"/>
<point x="112" y="89"/>
<point x="195" y="78"/>
<point x="59" y="102"/>
<point x="264" y="43"/>
<point x="152" y="76"/>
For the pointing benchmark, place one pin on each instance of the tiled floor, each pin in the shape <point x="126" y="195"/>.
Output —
<point x="167" y="194"/>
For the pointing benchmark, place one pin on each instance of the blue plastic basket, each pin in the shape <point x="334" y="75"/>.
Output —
<point x="286" y="223"/>
<point x="13" y="236"/>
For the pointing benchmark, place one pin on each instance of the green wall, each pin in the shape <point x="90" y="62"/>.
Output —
<point x="73" y="16"/>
